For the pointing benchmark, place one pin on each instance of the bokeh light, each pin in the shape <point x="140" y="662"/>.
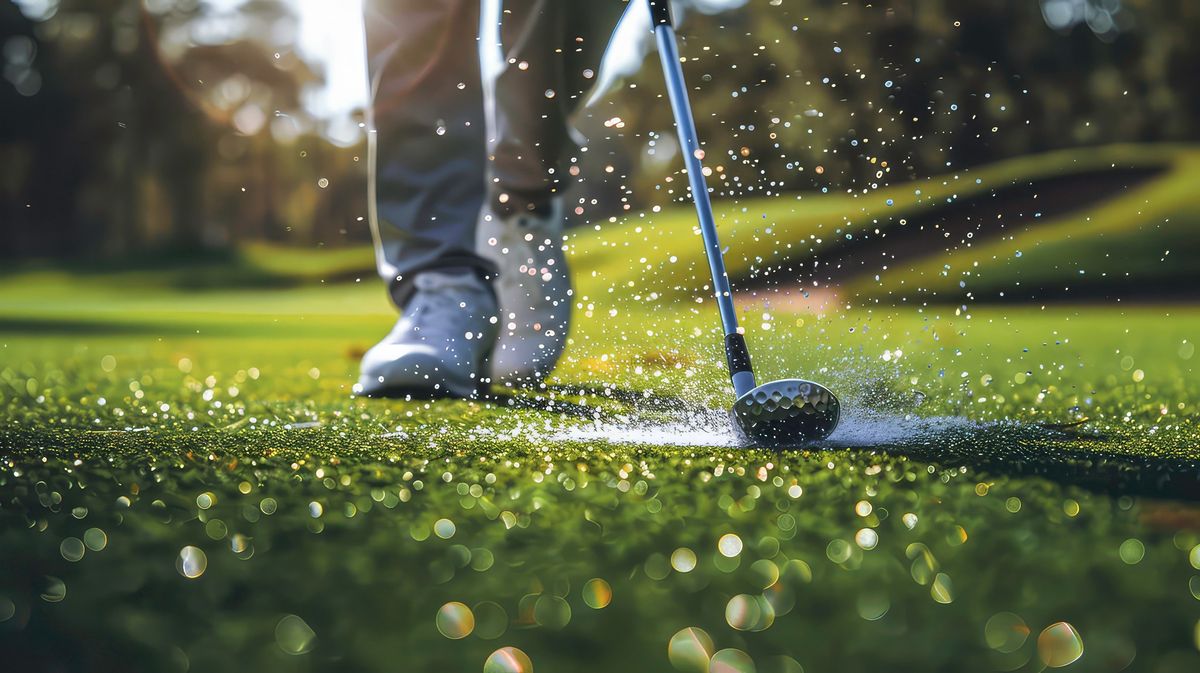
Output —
<point x="508" y="660"/>
<point x="455" y="620"/>
<point x="690" y="650"/>
<point x="1059" y="645"/>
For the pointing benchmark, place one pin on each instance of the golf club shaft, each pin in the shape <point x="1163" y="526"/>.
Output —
<point x="738" y="357"/>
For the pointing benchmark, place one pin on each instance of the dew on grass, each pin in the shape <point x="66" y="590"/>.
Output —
<point x="294" y="636"/>
<point x="455" y="620"/>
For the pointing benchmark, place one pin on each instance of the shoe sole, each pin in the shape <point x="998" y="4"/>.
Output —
<point x="477" y="389"/>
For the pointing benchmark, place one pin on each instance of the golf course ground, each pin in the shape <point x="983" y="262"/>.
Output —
<point x="187" y="483"/>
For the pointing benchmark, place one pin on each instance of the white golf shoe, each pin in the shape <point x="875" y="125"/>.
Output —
<point x="441" y="344"/>
<point x="533" y="289"/>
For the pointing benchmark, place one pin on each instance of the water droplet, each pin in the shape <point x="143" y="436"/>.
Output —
<point x="597" y="593"/>
<point x="1059" y="645"/>
<point x="444" y="528"/>
<point x="765" y="573"/>
<point x="942" y="588"/>
<point x="866" y="538"/>
<point x="551" y="611"/>
<point x="53" y="589"/>
<point x="72" y="549"/>
<point x="294" y="636"/>
<point x="7" y="609"/>
<point x="191" y="562"/>
<point x="683" y="560"/>
<point x="95" y="539"/>
<point x="491" y="621"/>
<point x="690" y="650"/>
<point x="1005" y="632"/>
<point x="1132" y="551"/>
<point x="780" y="664"/>
<point x="455" y="620"/>
<point x="508" y="660"/>
<point x="729" y="545"/>
<point x="838" y="551"/>
<point x="730" y="660"/>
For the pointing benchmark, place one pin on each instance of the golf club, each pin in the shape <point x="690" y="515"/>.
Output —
<point x="779" y="413"/>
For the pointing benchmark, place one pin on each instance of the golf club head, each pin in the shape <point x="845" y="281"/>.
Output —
<point x="785" y="413"/>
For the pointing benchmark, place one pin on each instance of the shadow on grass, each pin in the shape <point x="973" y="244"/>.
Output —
<point x="1064" y="454"/>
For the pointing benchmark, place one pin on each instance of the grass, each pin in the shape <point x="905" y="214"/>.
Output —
<point x="186" y="484"/>
<point x="1123" y="226"/>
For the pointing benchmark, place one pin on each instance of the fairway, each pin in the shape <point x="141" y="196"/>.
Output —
<point x="189" y="483"/>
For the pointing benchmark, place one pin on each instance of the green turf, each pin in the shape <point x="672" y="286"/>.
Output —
<point x="1132" y="237"/>
<point x="186" y="484"/>
<point x="257" y="418"/>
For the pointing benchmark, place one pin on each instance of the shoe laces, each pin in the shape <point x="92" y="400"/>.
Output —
<point x="444" y="304"/>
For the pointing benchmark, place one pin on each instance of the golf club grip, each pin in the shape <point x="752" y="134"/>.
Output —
<point x="660" y="13"/>
<point x="737" y="354"/>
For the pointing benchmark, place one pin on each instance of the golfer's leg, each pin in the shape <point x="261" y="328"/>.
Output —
<point x="427" y="146"/>
<point x="552" y="50"/>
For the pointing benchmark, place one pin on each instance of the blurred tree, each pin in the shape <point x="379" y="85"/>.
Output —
<point x="128" y="124"/>
<point x="849" y="95"/>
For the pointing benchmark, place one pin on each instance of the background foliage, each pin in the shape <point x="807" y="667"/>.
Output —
<point x="127" y="125"/>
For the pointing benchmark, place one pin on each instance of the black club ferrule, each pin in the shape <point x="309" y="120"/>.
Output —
<point x="737" y="354"/>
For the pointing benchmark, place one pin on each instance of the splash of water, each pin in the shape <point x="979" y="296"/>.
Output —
<point x="859" y="428"/>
